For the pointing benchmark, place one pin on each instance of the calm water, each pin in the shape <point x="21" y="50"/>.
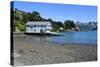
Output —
<point x="76" y="37"/>
<point x="69" y="37"/>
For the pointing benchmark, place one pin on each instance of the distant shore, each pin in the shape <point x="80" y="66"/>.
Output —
<point x="36" y="53"/>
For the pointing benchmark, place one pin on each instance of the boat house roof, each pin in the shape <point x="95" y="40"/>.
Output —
<point x="38" y="23"/>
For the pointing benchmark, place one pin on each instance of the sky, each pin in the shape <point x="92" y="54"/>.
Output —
<point x="60" y="12"/>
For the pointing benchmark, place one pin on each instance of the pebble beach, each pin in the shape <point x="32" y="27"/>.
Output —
<point x="37" y="53"/>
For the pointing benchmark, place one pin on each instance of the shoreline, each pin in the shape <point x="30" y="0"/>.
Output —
<point x="36" y="53"/>
<point x="18" y="35"/>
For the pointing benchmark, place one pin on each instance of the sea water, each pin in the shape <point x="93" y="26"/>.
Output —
<point x="89" y="37"/>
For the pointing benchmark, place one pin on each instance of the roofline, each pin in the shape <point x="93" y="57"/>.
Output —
<point x="36" y="21"/>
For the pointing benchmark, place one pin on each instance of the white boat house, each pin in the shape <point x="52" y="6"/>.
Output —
<point x="38" y="27"/>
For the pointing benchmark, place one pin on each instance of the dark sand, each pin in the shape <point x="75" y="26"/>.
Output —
<point x="36" y="53"/>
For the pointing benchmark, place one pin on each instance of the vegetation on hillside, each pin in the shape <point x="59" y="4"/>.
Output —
<point x="20" y="18"/>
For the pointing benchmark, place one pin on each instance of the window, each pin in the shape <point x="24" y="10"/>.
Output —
<point x="31" y="26"/>
<point x="35" y="26"/>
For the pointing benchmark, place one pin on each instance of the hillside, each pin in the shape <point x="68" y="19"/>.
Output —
<point x="20" y="18"/>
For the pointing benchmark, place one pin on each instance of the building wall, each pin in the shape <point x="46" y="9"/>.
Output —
<point x="35" y="30"/>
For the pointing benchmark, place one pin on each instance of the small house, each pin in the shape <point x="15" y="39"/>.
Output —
<point x="38" y="27"/>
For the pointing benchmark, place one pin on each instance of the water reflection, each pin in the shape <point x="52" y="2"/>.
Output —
<point x="33" y="38"/>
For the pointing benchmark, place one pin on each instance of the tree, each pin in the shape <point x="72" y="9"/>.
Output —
<point x="69" y="24"/>
<point x="29" y="15"/>
<point x="56" y="25"/>
<point x="36" y="16"/>
<point x="60" y="24"/>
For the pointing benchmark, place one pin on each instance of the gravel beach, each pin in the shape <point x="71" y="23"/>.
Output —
<point x="36" y="53"/>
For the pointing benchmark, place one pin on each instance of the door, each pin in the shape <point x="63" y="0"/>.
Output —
<point x="41" y="30"/>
